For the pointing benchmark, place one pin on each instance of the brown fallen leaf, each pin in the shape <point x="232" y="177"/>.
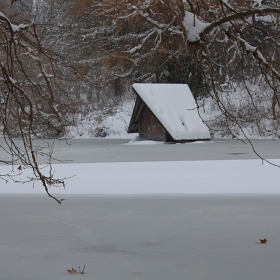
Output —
<point x="19" y="168"/>
<point x="263" y="240"/>
<point x="74" y="271"/>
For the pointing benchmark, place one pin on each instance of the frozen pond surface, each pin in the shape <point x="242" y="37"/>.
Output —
<point x="151" y="237"/>
<point x="140" y="237"/>
<point x="113" y="150"/>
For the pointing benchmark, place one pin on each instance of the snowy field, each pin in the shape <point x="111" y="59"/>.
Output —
<point x="152" y="220"/>
<point x="172" y="177"/>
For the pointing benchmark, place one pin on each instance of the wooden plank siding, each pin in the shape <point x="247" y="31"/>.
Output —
<point x="133" y="125"/>
<point x="149" y="127"/>
<point x="144" y="122"/>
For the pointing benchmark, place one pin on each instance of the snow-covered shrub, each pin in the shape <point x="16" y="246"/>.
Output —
<point x="234" y="113"/>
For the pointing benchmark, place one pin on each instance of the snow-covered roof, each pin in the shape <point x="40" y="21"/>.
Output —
<point x="174" y="106"/>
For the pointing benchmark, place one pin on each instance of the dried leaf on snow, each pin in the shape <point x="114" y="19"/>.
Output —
<point x="263" y="240"/>
<point x="74" y="271"/>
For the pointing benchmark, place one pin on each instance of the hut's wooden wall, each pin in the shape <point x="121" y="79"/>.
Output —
<point x="149" y="127"/>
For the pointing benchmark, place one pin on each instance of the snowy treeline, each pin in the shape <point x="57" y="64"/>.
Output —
<point x="226" y="51"/>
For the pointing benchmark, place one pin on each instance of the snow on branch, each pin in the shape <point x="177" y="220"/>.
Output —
<point x="128" y="16"/>
<point x="256" y="54"/>
<point x="195" y="28"/>
<point x="257" y="3"/>
<point x="136" y="48"/>
<point x="14" y="28"/>
<point x="235" y="16"/>
<point x="154" y="22"/>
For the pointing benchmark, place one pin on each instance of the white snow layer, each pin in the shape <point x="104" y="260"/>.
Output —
<point x="193" y="26"/>
<point x="173" y="177"/>
<point x="175" y="107"/>
<point x="113" y="126"/>
<point x="258" y="3"/>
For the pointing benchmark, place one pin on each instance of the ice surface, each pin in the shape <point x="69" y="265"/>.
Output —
<point x="175" y="108"/>
<point x="147" y="237"/>
<point x="138" y="141"/>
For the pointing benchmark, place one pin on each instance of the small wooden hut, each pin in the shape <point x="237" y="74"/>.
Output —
<point x="166" y="112"/>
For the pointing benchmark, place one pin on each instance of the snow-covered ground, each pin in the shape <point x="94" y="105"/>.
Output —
<point x="109" y="123"/>
<point x="173" y="177"/>
<point x="254" y="117"/>
<point x="251" y="114"/>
